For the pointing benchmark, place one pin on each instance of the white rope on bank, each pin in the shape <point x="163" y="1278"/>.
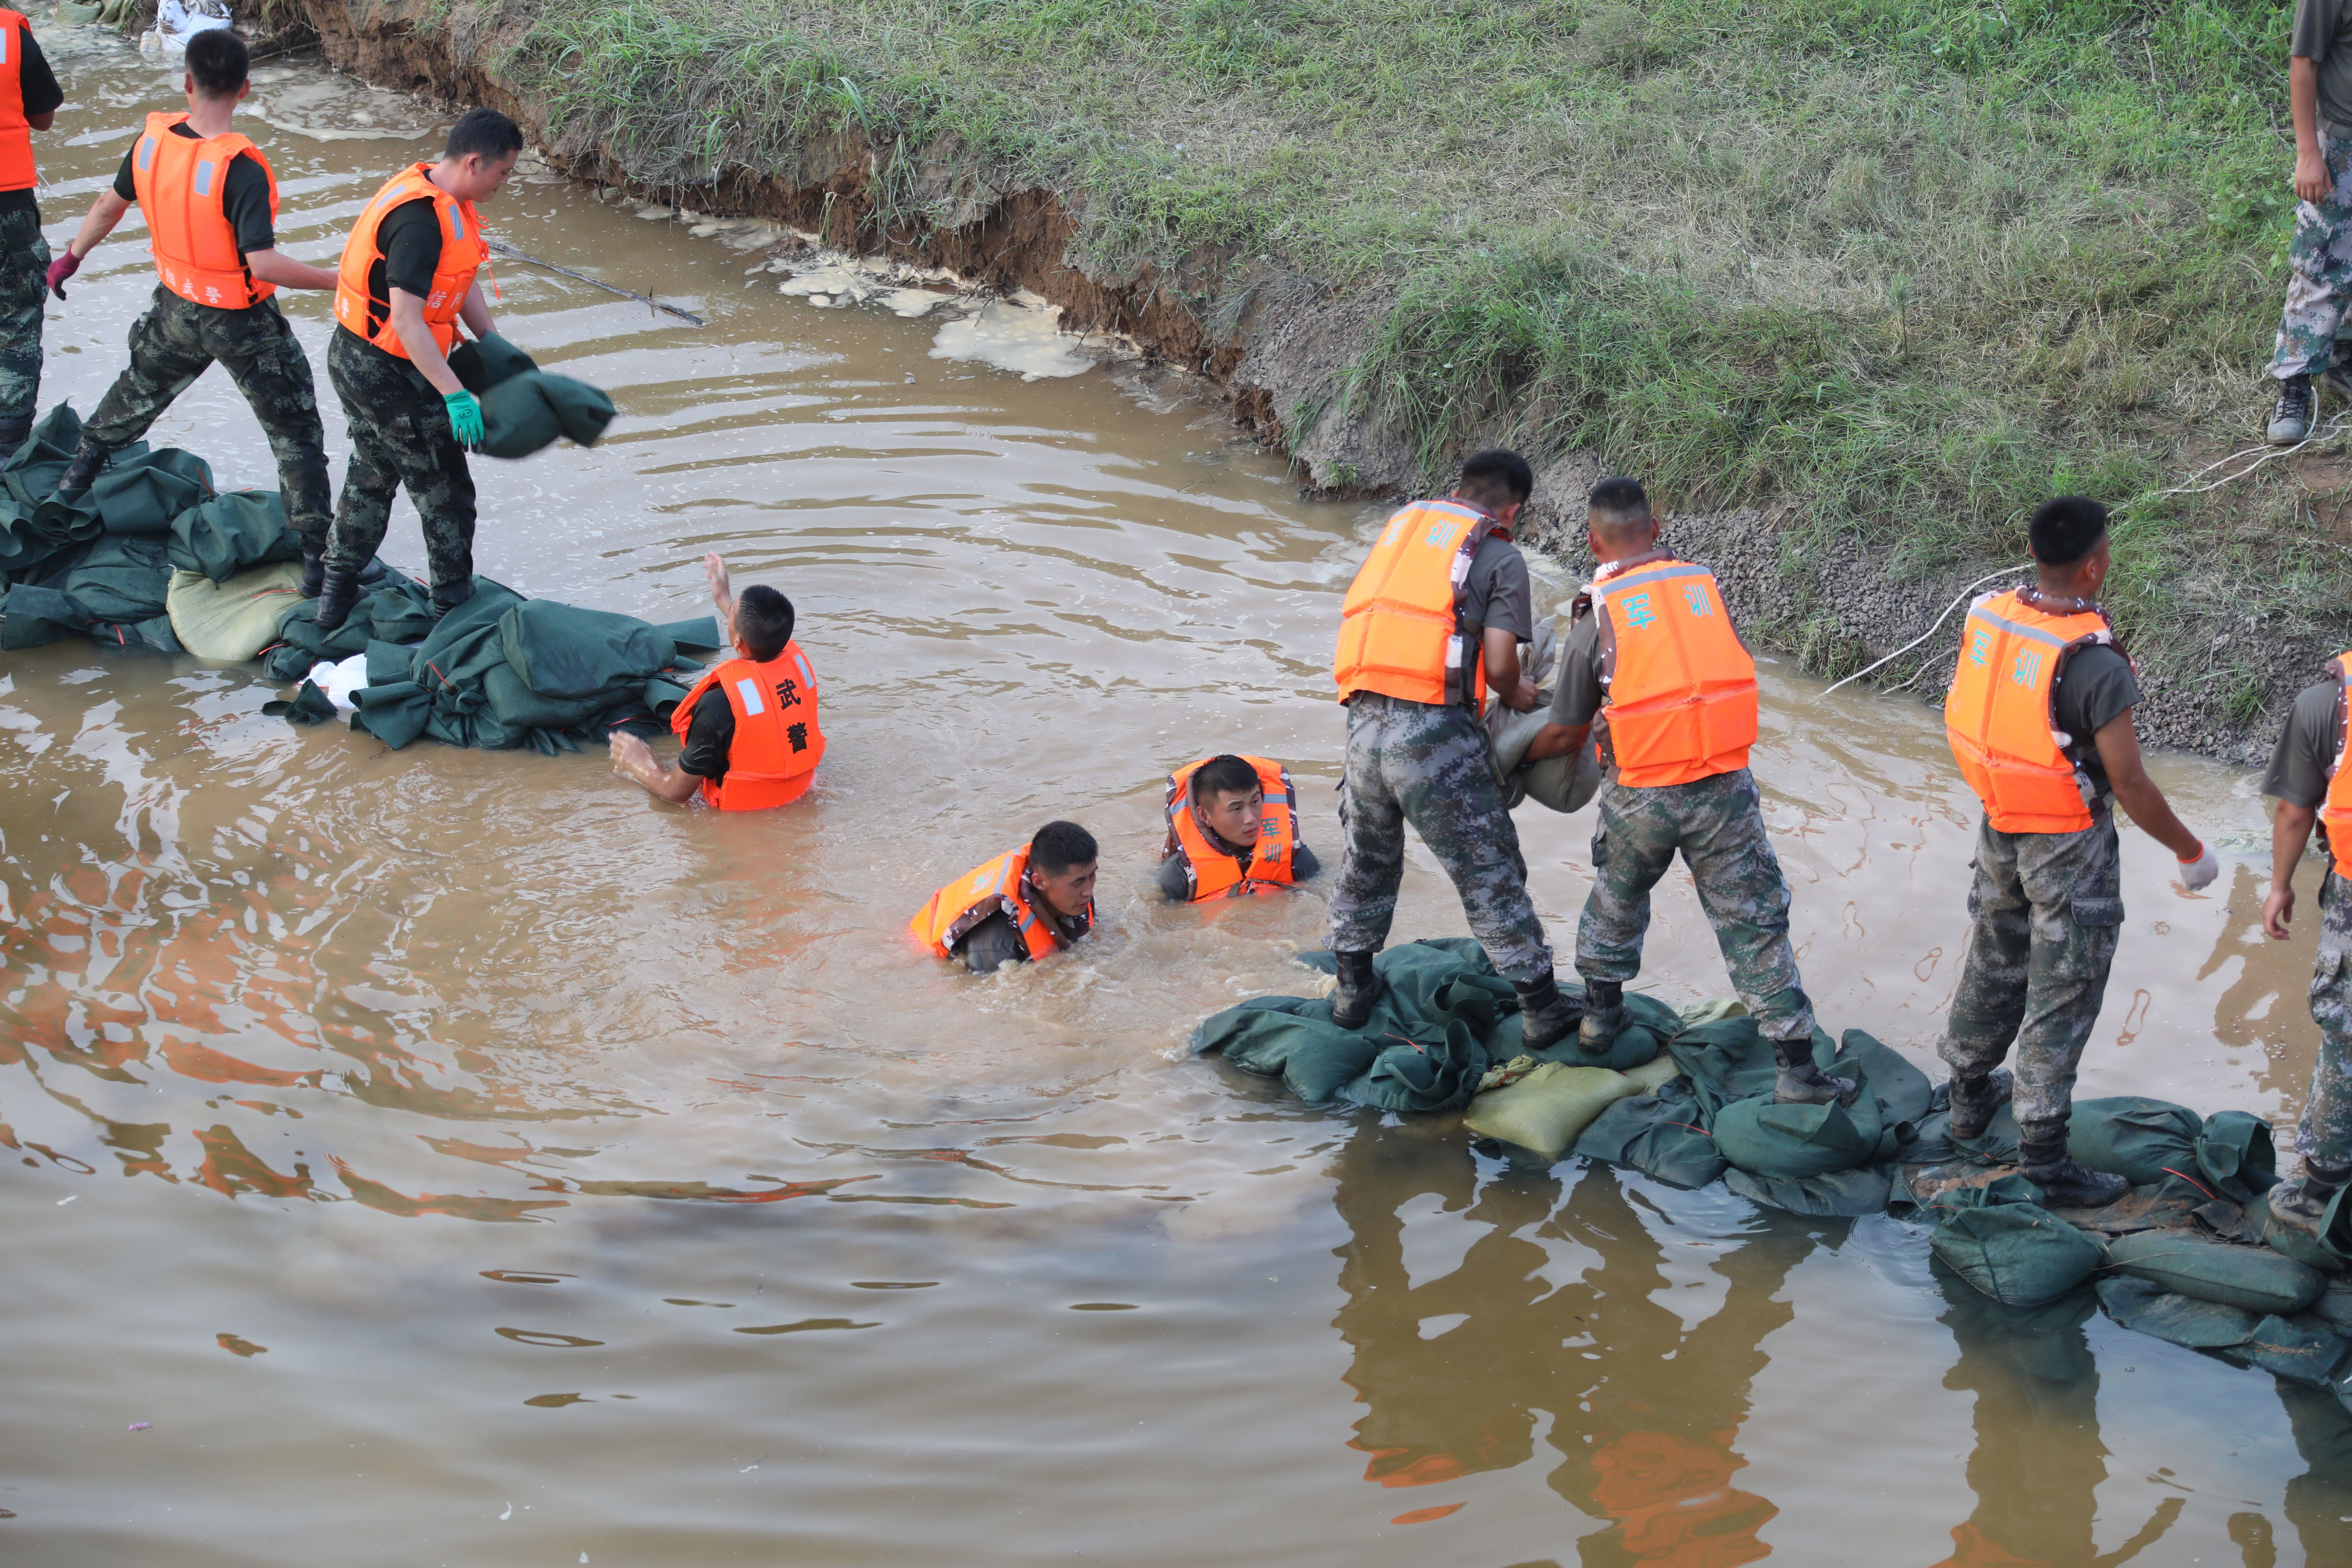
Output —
<point x="1923" y="637"/>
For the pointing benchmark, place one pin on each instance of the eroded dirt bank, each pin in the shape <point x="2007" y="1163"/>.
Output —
<point x="1279" y="362"/>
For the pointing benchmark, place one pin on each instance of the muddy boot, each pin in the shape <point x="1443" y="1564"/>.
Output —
<point x="88" y="460"/>
<point x="1604" y="1017"/>
<point x="337" y="594"/>
<point x="448" y="596"/>
<point x="1799" y="1081"/>
<point x="2303" y="1203"/>
<point x="2066" y="1182"/>
<point x="1351" y="1003"/>
<point x="1545" y="1016"/>
<point x="1975" y="1101"/>
<point x="13" y="434"/>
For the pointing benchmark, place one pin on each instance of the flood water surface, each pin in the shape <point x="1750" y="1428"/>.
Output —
<point x="447" y="1157"/>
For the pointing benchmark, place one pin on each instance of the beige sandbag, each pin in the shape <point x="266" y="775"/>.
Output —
<point x="236" y="618"/>
<point x="1563" y="783"/>
<point x="1550" y="1108"/>
<point x="1654" y="1074"/>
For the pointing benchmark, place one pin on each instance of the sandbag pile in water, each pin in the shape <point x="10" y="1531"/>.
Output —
<point x="2190" y="1254"/>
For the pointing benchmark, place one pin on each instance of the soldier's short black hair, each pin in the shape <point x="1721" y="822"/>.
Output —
<point x="219" y="61"/>
<point x="1227" y="775"/>
<point x="1620" y="502"/>
<point x="2066" y="530"/>
<point x="763" y="617"/>
<point x="1496" y="479"/>
<point x="1060" y="846"/>
<point x="485" y="132"/>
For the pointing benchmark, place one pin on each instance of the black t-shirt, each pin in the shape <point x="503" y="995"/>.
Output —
<point x="244" y="197"/>
<point x="709" y="734"/>
<point x="38" y="85"/>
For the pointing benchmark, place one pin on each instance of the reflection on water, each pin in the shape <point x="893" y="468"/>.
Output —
<point x="440" y="1156"/>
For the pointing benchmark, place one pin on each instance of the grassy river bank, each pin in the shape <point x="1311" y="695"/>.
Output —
<point x="1852" y="282"/>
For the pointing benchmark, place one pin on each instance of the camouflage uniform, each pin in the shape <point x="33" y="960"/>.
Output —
<point x="175" y="340"/>
<point x="2319" y="271"/>
<point x="400" y="435"/>
<point x="1717" y="825"/>
<point x="2327" y="1127"/>
<point x="1427" y="764"/>
<point x="24" y="262"/>
<point x="2046" y="909"/>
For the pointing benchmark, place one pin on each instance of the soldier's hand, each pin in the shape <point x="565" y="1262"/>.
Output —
<point x="2199" y="874"/>
<point x="2278" y="909"/>
<point x="2311" y="179"/>
<point x="1523" y="697"/>
<point x="629" y="752"/>
<point x="63" y="267"/>
<point x="465" y="417"/>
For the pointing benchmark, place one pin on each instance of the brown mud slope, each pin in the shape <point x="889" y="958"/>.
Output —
<point x="1278" y="366"/>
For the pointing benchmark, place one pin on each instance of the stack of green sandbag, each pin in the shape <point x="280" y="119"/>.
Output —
<point x="524" y="408"/>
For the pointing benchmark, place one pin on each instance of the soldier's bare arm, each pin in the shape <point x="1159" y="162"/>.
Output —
<point x="2311" y="181"/>
<point x="271" y="267"/>
<point x="2118" y="745"/>
<point x="1515" y="689"/>
<point x="2290" y="831"/>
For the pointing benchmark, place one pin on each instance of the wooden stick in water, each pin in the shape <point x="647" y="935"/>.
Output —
<point x="500" y="247"/>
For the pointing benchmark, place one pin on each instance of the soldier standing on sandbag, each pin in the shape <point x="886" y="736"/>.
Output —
<point x="407" y="277"/>
<point x="1434" y="617"/>
<point x="2310" y="782"/>
<point x="29" y="96"/>
<point x="211" y="205"/>
<point x="1652" y="659"/>
<point x="2040" y="721"/>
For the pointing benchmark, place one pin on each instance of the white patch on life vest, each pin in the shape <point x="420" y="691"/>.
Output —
<point x="750" y="692"/>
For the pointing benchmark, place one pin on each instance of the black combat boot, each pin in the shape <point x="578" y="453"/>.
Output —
<point x="1604" y="1015"/>
<point x="337" y="594"/>
<point x="1799" y="1081"/>
<point x="2066" y="1182"/>
<point x="448" y="596"/>
<point x="88" y="460"/>
<point x="1975" y="1101"/>
<point x="13" y="434"/>
<point x="1545" y="1015"/>
<point x="2303" y="1203"/>
<point x="1351" y="1003"/>
<point x="314" y="570"/>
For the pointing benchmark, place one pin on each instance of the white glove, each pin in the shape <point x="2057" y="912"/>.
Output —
<point x="2198" y="874"/>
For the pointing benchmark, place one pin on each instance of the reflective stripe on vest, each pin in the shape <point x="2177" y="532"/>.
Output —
<point x="182" y="183"/>
<point x="17" y="171"/>
<point x="1400" y="629"/>
<point x="1998" y="718"/>
<point x="1001" y="887"/>
<point x="1680" y="686"/>
<point x="2335" y="811"/>
<point x="463" y="251"/>
<point x="1209" y="871"/>
<point x="778" y="742"/>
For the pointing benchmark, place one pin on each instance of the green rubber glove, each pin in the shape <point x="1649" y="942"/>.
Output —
<point x="465" y="417"/>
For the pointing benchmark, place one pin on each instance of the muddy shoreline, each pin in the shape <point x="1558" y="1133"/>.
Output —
<point x="1277" y="365"/>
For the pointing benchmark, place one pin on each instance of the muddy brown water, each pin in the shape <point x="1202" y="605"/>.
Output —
<point x="442" y="1157"/>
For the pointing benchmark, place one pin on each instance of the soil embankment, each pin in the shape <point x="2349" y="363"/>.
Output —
<point x="1284" y="348"/>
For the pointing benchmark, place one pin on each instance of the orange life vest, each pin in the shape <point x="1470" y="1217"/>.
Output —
<point x="1212" y="872"/>
<point x="1998" y="718"/>
<point x="182" y="185"/>
<point x="1001" y="887"/>
<point x="17" y="171"/>
<point x="463" y="251"/>
<point x="1680" y="701"/>
<point x="1400" y="629"/>
<point x="2335" y="811"/>
<point x="777" y="742"/>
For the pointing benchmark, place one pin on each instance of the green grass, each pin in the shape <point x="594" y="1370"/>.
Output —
<point x="1902" y="266"/>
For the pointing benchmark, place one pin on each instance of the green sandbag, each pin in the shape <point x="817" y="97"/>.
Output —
<point x="113" y="587"/>
<point x="2235" y="1153"/>
<point x="233" y="621"/>
<point x="142" y="495"/>
<point x="1649" y="1024"/>
<point x="2001" y="1240"/>
<point x="2131" y="1136"/>
<point x="1795" y="1141"/>
<point x="2303" y="1351"/>
<point x="1653" y="1075"/>
<point x="1657" y="1134"/>
<point x="2254" y="1278"/>
<point x="1550" y="1108"/>
<point x="481" y="364"/>
<point x="231" y="534"/>
<point x="2334" y="1307"/>
<point x="527" y="413"/>
<point x="2149" y="1308"/>
<point x="1837" y="1195"/>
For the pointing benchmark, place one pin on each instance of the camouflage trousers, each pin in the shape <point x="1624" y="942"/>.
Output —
<point x="2326" y="1130"/>
<point x="24" y="264"/>
<point x="1427" y="764"/>
<point x="176" y="341"/>
<point x="2319" y="271"/>
<point x="2044" y="912"/>
<point x="400" y="435"/>
<point x="1717" y="825"/>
